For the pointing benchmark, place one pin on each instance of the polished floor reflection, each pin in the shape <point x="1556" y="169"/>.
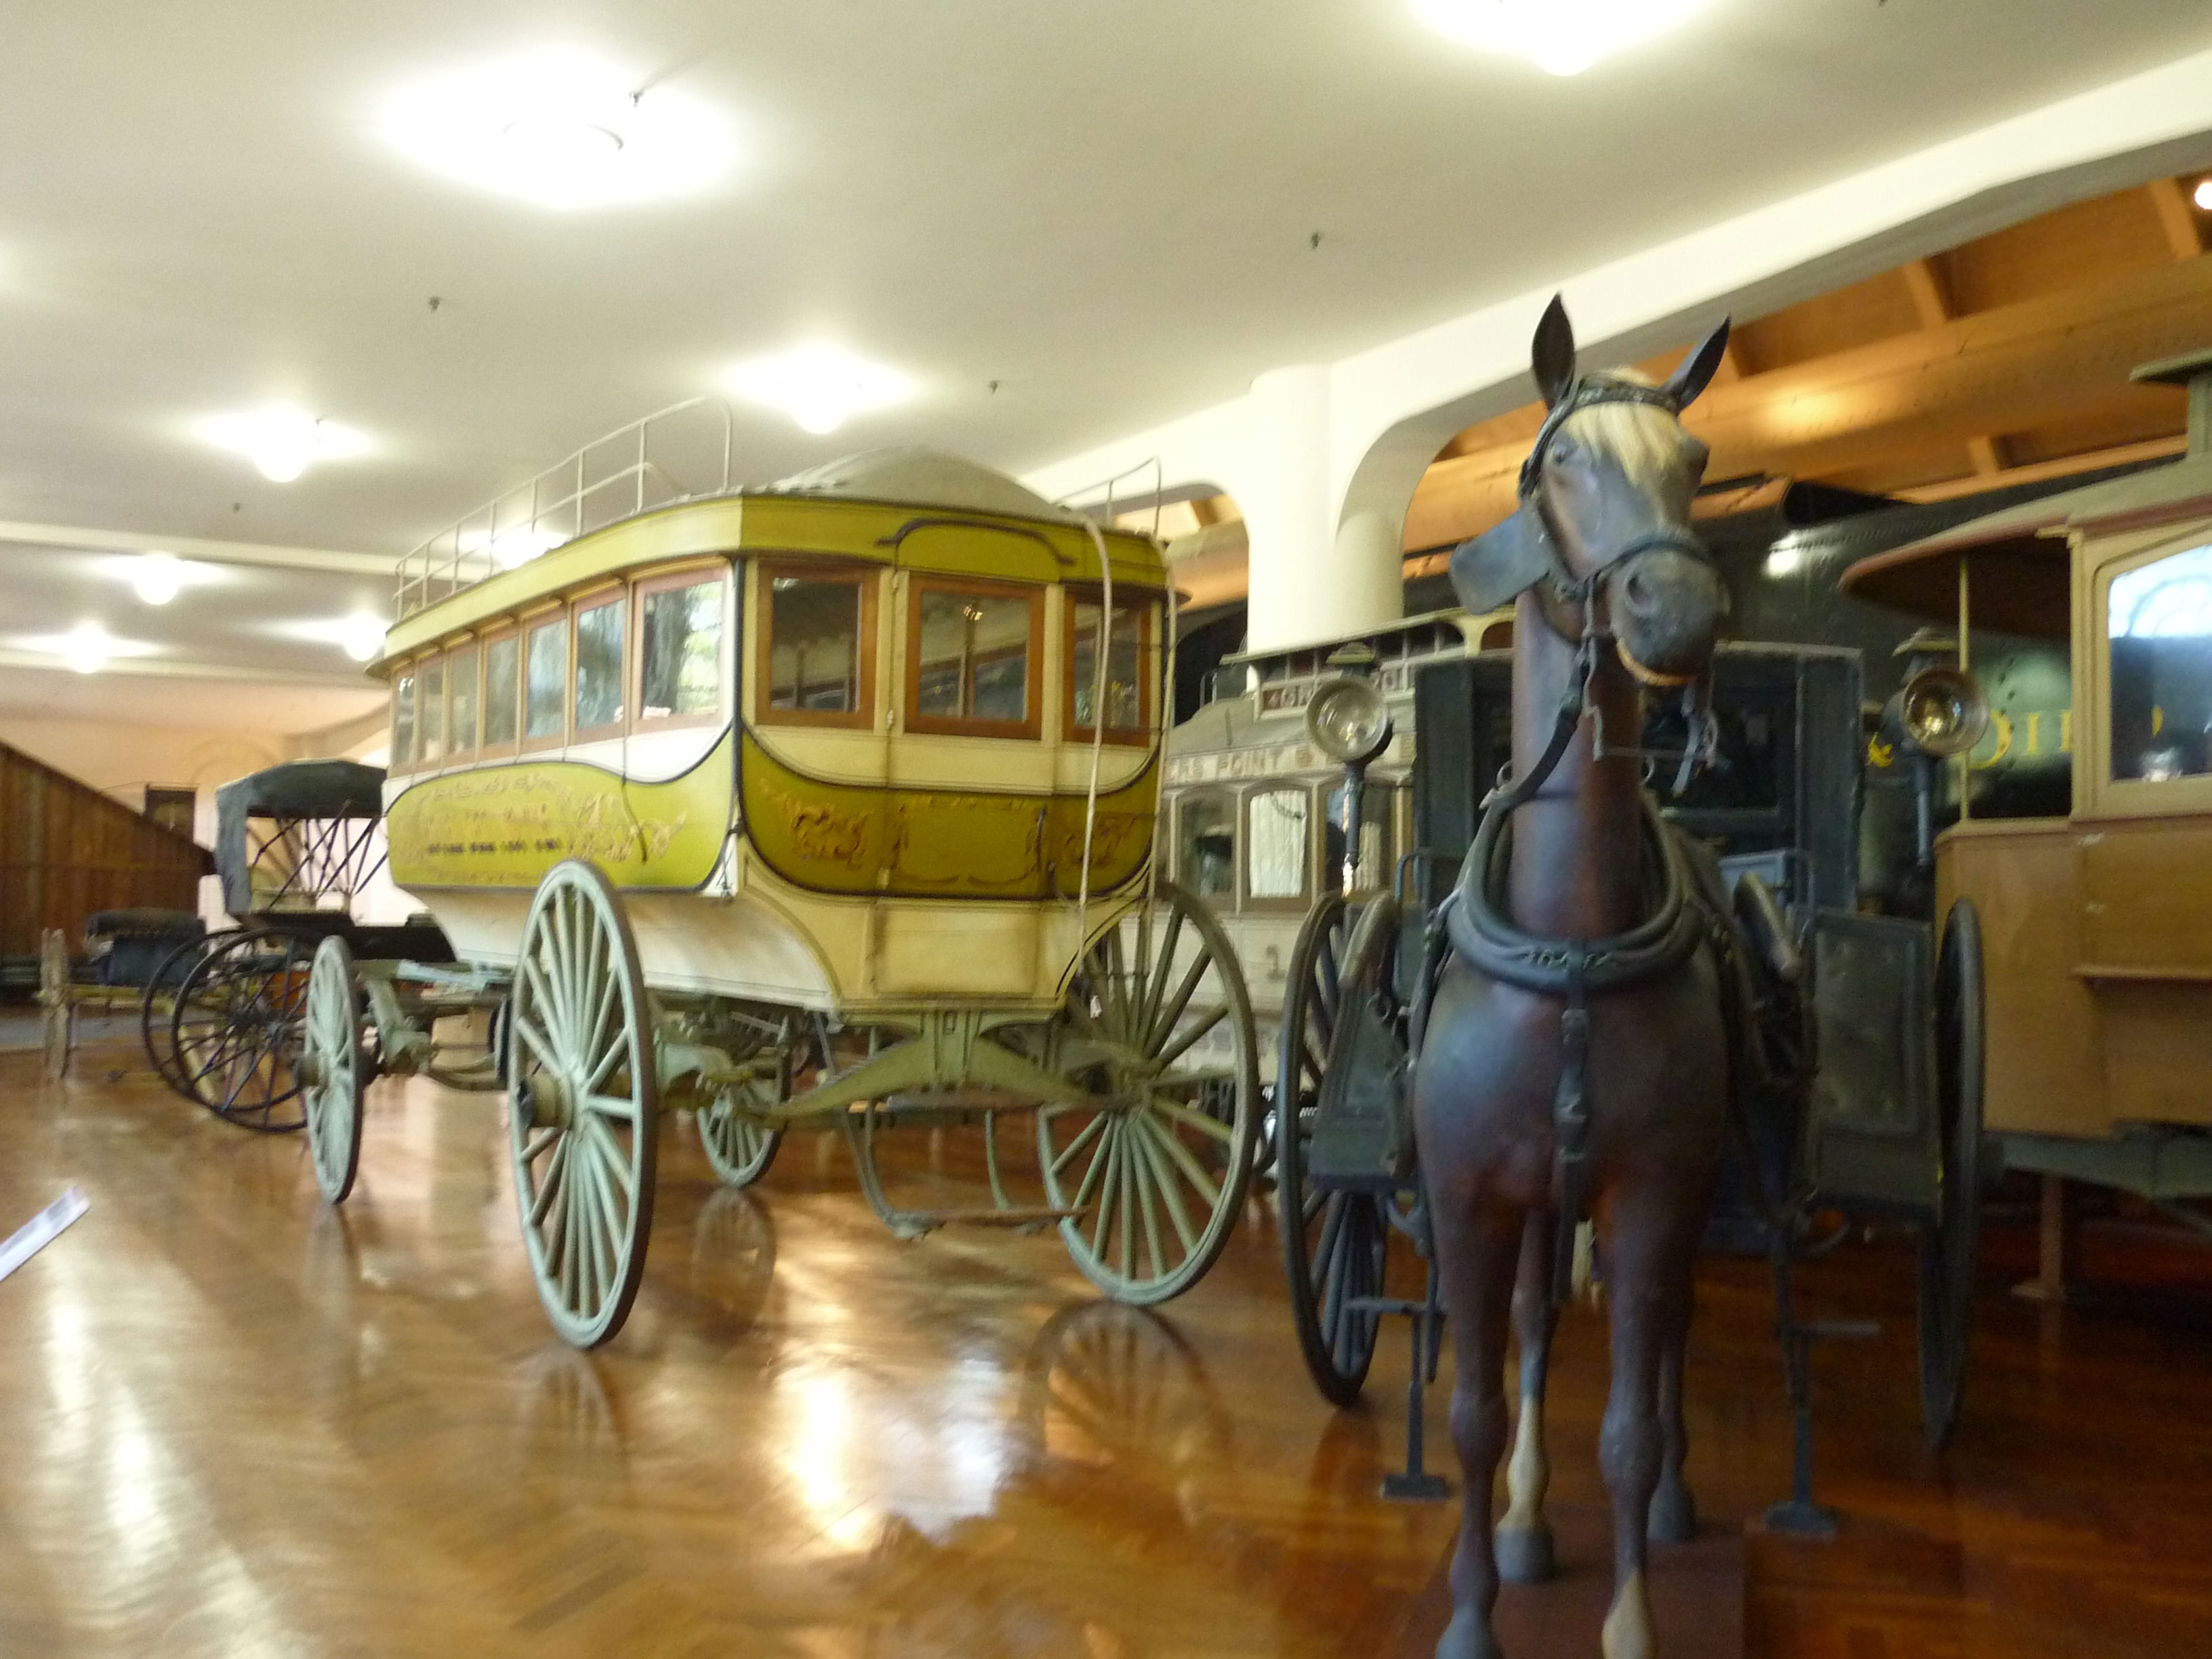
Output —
<point x="241" y="1425"/>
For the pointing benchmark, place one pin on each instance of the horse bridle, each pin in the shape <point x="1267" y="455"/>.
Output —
<point x="1580" y="594"/>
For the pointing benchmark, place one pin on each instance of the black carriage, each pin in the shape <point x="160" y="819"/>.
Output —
<point x="1859" y="1073"/>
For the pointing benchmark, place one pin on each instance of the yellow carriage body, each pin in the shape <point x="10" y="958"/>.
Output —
<point x="832" y="738"/>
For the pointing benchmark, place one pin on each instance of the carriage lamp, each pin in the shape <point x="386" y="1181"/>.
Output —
<point x="1349" y="720"/>
<point x="1940" y="711"/>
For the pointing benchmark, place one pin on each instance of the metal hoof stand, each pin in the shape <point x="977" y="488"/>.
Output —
<point x="829" y="803"/>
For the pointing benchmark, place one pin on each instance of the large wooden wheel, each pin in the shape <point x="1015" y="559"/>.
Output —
<point x="236" y="1029"/>
<point x="1158" y="1012"/>
<point x="739" y="1147"/>
<point x="584" y="1103"/>
<point x="1336" y="1241"/>
<point x="1950" y="1243"/>
<point x="159" y="1001"/>
<point x="333" y="1068"/>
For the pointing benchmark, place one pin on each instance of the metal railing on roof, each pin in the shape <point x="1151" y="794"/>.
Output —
<point x="679" y="454"/>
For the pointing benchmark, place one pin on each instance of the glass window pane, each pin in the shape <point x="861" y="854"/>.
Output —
<point x="599" y="665"/>
<point x="1125" y="689"/>
<point x="461" y="693"/>
<point x="974" y="652"/>
<point x="683" y="649"/>
<point x="1205" y="854"/>
<point x="403" y="720"/>
<point x="547" y="679"/>
<point x="814" y="639"/>
<point x="1275" y="843"/>
<point x="500" y="659"/>
<point x="430" y="715"/>
<point x="2159" y="622"/>
<point x="1373" y="872"/>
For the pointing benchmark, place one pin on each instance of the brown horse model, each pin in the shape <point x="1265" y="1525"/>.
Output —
<point x="1572" y="1059"/>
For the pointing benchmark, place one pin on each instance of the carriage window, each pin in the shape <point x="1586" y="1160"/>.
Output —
<point x="2159" y="621"/>
<point x="972" y="654"/>
<point x="680" y="640"/>
<point x="403" y="720"/>
<point x="819" y="649"/>
<point x="545" y="679"/>
<point x="501" y="658"/>
<point x="1206" y="846"/>
<point x="1128" y="654"/>
<point x="1373" y="872"/>
<point x="461" y="694"/>
<point x="599" y="664"/>
<point x="1276" y="844"/>
<point x="430" y="712"/>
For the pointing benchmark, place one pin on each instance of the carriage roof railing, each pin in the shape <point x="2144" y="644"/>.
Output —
<point x="680" y="453"/>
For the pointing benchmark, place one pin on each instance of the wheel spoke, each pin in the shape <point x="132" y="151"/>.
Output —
<point x="1128" y="1207"/>
<point x="1193" y="1170"/>
<point x="1084" y="1137"/>
<point x="1162" y="1024"/>
<point x="1190" y="1033"/>
<point x="1163" y="1178"/>
<point x="1109" y="1192"/>
<point x="1149" y="1011"/>
<point x="1192" y="1118"/>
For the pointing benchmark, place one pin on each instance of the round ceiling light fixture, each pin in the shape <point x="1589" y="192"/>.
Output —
<point x="282" y="441"/>
<point x="819" y="385"/>
<point x="86" y="649"/>
<point x="2203" y="195"/>
<point x="362" y="636"/>
<point x="559" y="127"/>
<point x="1561" y="37"/>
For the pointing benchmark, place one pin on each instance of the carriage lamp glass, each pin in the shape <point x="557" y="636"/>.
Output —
<point x="819" y="385"/>
<point x="1561" y="37"/>
<point x="1942" y="711"/>
<point x="281" y="441"/>
<point x="561" y="128"/>
<point x="1349" y="720"/>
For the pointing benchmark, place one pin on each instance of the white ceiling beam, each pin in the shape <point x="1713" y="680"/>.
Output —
<point x="188" y="669"/>
<point x="197" y="547"/>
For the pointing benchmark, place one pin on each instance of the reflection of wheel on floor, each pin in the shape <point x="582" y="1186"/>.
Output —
<point x="733" y="1258"/>
<point x="334" y="1068"/>
<point x="1104" y="1383"/>
<point x="583" y="1103"/>
<point x="1156" y="1018"/>
<point x="1949" y="1246"/>
<point x="235" y="1030"/>
<point x="1336" y="1243"/>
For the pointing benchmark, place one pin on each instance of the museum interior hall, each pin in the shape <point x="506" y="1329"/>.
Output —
<point x="1342" y="829"/>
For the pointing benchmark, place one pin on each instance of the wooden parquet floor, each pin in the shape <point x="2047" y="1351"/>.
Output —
<point x="239" y="1426"/>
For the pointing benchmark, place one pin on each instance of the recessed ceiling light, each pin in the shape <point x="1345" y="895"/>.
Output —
<point x="2203" y="196"/>
<point x="359" y="635"/>
<point x="282" y="441"/>
<point x="821" y="387"/>
<point x="87" y="647"/>
<point x="1561" y="37"/>
<point x="559" y="127"/>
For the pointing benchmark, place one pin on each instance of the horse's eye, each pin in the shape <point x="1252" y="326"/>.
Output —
<point x="1565" y="452"/>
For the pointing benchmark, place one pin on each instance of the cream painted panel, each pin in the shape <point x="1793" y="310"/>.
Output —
<point x="954" y="950"/>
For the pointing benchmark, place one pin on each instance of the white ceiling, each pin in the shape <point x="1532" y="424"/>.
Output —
<point x="1105" y="209"/>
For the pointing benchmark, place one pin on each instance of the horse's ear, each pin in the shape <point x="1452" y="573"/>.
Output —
<point x="1490" y="570"/>
<point x="1699" y="368"/>
<point x="1552" y="354"/>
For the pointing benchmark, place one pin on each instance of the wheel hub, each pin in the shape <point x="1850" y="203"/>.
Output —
<point x="546" y="1100"/>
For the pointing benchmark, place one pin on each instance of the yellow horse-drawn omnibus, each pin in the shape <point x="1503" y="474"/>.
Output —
<point x="826" y="801"/>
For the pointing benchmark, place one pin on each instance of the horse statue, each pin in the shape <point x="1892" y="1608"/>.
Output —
<point x="1572" y="1056"/>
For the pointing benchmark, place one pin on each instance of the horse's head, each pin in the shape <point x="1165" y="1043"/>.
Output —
<point x="1604" y="521"/>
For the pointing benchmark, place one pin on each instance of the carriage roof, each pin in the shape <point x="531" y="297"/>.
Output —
<point x="318" y="791"/>
<point x="917" y="508"/>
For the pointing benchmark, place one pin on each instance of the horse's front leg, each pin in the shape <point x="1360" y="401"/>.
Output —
<point x="1474" y="1259"/>
<point x="1674" y="1510"/>
<point x="1525" y="1539"/>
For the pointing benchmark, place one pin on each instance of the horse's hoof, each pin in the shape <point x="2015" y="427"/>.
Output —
<point x="1468" y="1637"/>
<point x="1524" y="1554"/>
<point x="1673" y="1514"/>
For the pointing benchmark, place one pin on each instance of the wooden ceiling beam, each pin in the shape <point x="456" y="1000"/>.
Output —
<point x="1987" y="452"/>
<point x="2177" y="218"/>
<point x="2155" y="449"/>
<point x="1931" y="295"/>
<point x="2009" y="369"/>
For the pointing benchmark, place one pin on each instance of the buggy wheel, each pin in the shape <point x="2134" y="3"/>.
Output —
<point x="158" y="1001"/>
<point x="1157" y="1020"/>
<point x="1336" y="1242"/>
<point x="1949" y="1245"/>
<point x="584" y="1103"/>
<point x="236" y="1029"/>
<point x="738" y="1148"/>
<point x="333" y="1068"/>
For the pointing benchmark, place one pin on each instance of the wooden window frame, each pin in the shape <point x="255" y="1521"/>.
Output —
<point x="454" y="750"/>
<point x="665" y="581"/>
<point x="868" y="578"/>
<point x="555" y="616"/>
<point x="1148" y="602"/>
<point x="1031" y="724"/>
<point x="598" y="599"/>
<point x="439" y="659"/>
<point x="1309" y="861"/>
<point x="1212" y="795"/>
<point x="2097" y="793"/>
<point x="404" y="674"/>
<point x="510" y="747"/>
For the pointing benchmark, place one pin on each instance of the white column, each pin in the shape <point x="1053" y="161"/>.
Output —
<point x="1308" y="583"/>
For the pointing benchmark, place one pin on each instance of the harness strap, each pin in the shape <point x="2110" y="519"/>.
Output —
<point x="1571" y="1124"/>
